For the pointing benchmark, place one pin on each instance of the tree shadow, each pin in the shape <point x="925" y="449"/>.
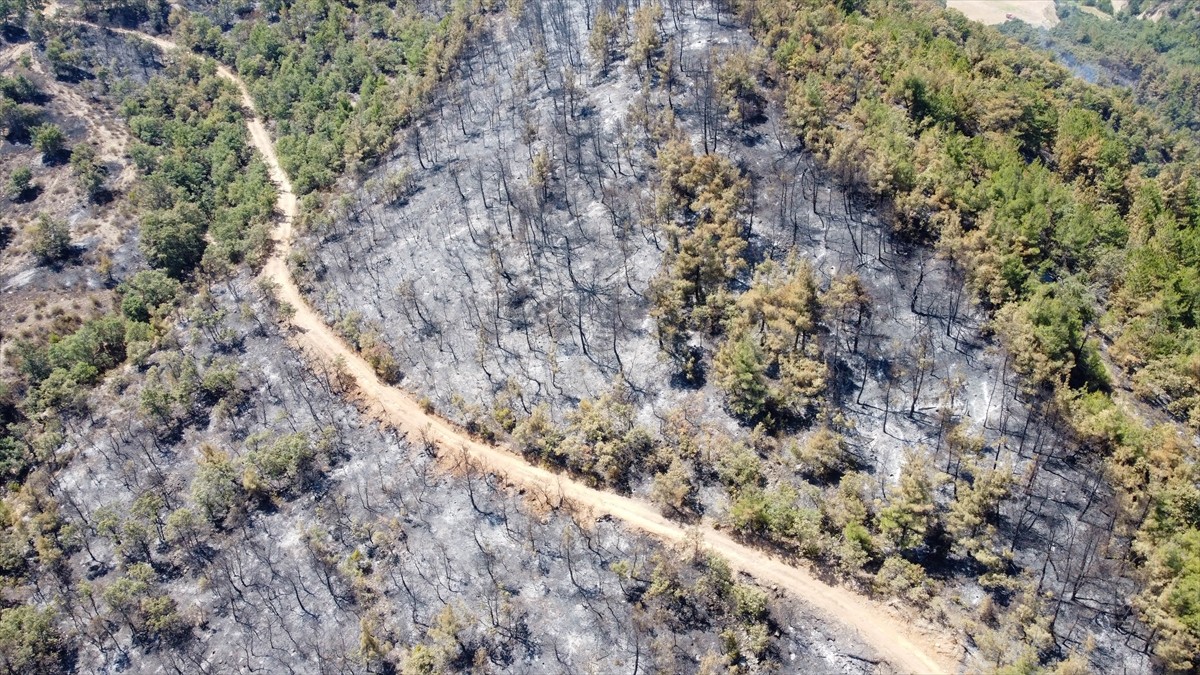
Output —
<point x="24" y="197"/>
<point x="13" y="33"/>
<point x="56" y="157"/>
<point x="127" y="17"/>
<point x="103" y="196"/>
<point x="70" y="74"/>
<point x="20" y="134"/>
<point x="842" y="385"/>
<point x="72" y="256"/>
<point x="689" y="373"/>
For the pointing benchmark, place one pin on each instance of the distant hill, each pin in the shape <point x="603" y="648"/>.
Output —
<point x="1151" y="47"/>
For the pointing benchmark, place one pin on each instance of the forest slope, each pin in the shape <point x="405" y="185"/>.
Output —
<point x="872" y="621"/>
<point x="573" y="176"/>
<point x="846" y="285"/>
<point x="894" y="638"/>
<point x="330" y="516"/>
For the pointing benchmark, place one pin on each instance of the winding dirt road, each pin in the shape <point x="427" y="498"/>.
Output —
<point x="892" y="636"/>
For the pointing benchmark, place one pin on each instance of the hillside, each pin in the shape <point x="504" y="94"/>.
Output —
<point x="1153" y="49"/>
<point x="532" y="337"/>
<point x="496" y="324"/>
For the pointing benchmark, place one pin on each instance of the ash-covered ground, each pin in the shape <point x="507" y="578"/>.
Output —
<point x="488" y="278"/>
<point x="376" y="549"/>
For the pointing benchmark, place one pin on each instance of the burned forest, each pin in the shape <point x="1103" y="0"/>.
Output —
<point x="763" y="336"/>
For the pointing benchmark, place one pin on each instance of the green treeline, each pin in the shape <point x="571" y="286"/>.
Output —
<point x="338" y="80"/>
<point x="1158" y="59"/>
<point x="1072" y="211"/>
<point x="204" y="204"/>
<point x="198" y="182"/>
<point x="199" y="174"/>
<point x="15" y="13"/>
<point x="201" y="197"/>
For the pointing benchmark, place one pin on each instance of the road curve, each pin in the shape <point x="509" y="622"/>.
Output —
<point x="892" y="636"/>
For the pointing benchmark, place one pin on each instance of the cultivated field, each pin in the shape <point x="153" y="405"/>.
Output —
<point x="1033" y="12"/>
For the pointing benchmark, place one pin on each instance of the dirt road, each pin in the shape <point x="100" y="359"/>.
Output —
<point x="892" y="636"/>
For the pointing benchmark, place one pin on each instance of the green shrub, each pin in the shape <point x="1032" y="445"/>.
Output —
<point x="30" y="642"/>
<point x="49" y="239"/>
<point x="49" y="140"/>
<point x="146" y="293"/>
<point x="20" y="181"/>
